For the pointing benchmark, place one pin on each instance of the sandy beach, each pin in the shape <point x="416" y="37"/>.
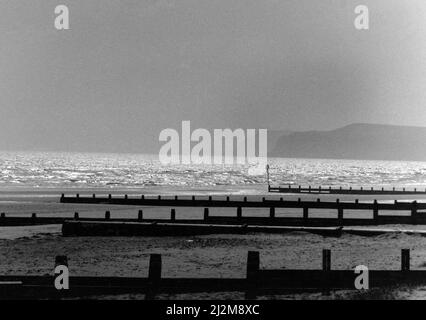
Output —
<point x="32" y="250"/>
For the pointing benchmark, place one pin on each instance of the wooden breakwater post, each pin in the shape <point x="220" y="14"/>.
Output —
<point x="239" y="212"/>
<point x="339" y="212"/>
<point x="326" y="268"/>
<point x="107" y="215"/>
<point x="2" y="215"/>
<point x="154" y="275"/>
<point x="272" y="212"/>
<point x="206" y="213"/>
<point x="405" y="260"/>
<point x="173" y="214"/>
<point x="140" y="215"/>
<point x="33" y="217"/>
<point x="305" y="213"/>
<point x="61" y="261"/>
<point x="414" y="214"/>
<point x="375" y="211"/>
<point x="253" y="264"/>
<point x="76" y="216"/>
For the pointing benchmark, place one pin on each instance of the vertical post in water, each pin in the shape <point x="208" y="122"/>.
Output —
<point x="173" y="214"/>
<point x="206" y="213"/>
<point x="140" y="215"/>
<point x="107" y="215"/>
<point x="267" y="177"/>
<point x="405" y="259"/>
<point x="76" y="216"/>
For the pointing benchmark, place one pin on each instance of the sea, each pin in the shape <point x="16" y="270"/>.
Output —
<point x="66" y="170"/>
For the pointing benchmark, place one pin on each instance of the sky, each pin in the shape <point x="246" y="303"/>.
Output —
<point x="128" y="69"/>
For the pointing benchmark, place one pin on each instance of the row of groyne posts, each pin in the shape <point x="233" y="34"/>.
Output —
<point x="257" y="281"/>
<point x="341" y="190"/>
<point x="414" y="208"/>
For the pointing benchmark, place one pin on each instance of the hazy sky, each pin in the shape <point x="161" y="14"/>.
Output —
<point x="128" y="69"/>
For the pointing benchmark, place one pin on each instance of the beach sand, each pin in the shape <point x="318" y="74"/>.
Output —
<point x="32" y="250"/>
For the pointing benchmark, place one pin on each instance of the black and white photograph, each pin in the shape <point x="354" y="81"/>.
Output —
<point x="223" y="152"/>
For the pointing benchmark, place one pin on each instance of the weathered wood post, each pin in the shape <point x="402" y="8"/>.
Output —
<point x="318" y="200"/>
<point x="375" y="211"/>
<point x="305" y="214"/>
<point x="206" y="213"/>
<point x="309" y="189"/>
<point x="154" y="275"/>
<point x="272" y="212"/>
<point x="405" y="260"/>
<point x="193" y="198"/>
<point x="356" y="201"/>
<point x="33" y="217"/>
<point x="76" y="216"/>
<point x="227" y="199"/>
<point x="107" y="215"/>
<point x="245" y="199"/>
<point x="326" y="267"/>
<point x="393" y="189"/>
<point x="414" y="215"/>
<point x="77" y="196"/>
<point x="263" y="199"/>
<point x="173" y="214"/>
<point x="94" y="196"/>
<point x="176" y="198"/>
<point x="159" y="197"/>
<point x="326" y="260"/>
<point x="142" y="197"/>
<point x="210" y="198"/>
<point x="281" y="199"/>
<point x="339" y="212"/>
<point x="403" y="189"/>
<point x="126" y="197"/>
<point x="253" y="263"/>
<point x="239" y="212"/>
<point x="319" y="189"/>
<point x="140" y="215"/>
<point x="109" y="197"/>
<point x="3" y="215"/>
<point x="300" y="189"/>
<point x="61" y="261"/>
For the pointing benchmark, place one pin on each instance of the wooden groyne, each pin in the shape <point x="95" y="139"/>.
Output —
<point x="256" y="282"/>
<point x="335" y="213"/>
<point x="167" y="229"/>
<point x="415" y="210"/>
<point x="350" y="190"/>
